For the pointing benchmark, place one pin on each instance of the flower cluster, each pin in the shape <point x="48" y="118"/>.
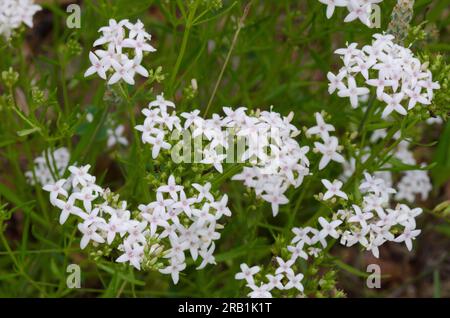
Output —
<point x="49" y="166"/>
<point x="371" y="225"/>
<point x="357" y="9"/>
<point x="307" y="242"/>
<point x="401" y="81"/>
<point x="286" y="165"/>
<point x="158" y="123"/>
<point x="168" y="228"/>
<point x="329" y="148"/>
<point x="284" y="273"/>
<point x="412" y="183"/>
<point x="126" y="44"/>
<point x="276" y="159"/>
<point x="15" y="12"/>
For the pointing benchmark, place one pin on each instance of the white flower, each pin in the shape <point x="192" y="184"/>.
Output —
<point x="358" y="9"/>
<point x="174" y="270"/>
<point x="55" y="190"/>
<point x="331" y="4"/>
<point x="136" y="232"/>
<point x="371" y="184"/>
<point x="247" y="273"/>
<point x="203" y="216"/>
<point x="155" y="220"/>
<point x="380" y="83"/>
<point x="80" y="175"/>
<point x="116" y="136"/>
<point x="352" y="91"/>
<point x="133" y="253"/>
<point x="329" y="152"/>
<point x="358" y="237"/>
<point x="161" y="103"/>
<point x="15" y="12"/>
<point x="184" y="203"/>
<point x="372" y="230"/>
<point x="260" y="291"/>
<point x="211" y="157"/>
<point x="190" y="118"/>
<point x="93" y="218"/>
<point x="415" y="96"/>
<point x="294" y="282"/>
<point x="208" y="257"/>
<point x="139" y="45"/>
<point x="301" y="235"/>
<point x="284" y="266"/>
<point x="275" y="199"/>
<point x="137" y="67"/>
<point x="429" y="85"/>
<point x="124" y="53"/>
<point x="122" y="70"/>
<point x="275" y="281"/>
<point x="158" y="144"/>
<point x="159" y="206"/>
<point x="137" y="30"/>
<point x="177" y="250"/>
<point x="221" y="207"/>
<point x="98" y="66"/>
<point x="321" y="129"/>
<point x="333" y="189"/>
<point x="114" y="226"/>
<point x="172" y="188"/>
<point x="297" y="251"/>
<point x="335" y="81"/>
<point x="68" y="208"/>
<point x="393" y="103"/>
<point x="204" y="191"/>
<point x="407" y="236"/>
<point x="360" y="216"/>
<point x="329" y="228"/>
<point x="89" y="234"/>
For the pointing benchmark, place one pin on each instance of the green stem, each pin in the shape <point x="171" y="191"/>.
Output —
<point x="137" y="142"/>
<point x="187" y="31"/>
<point x="299" y="202"/>
<point x="96" y="130"/>
<point x="227" y="59"/>
<point x="21" y="271"/>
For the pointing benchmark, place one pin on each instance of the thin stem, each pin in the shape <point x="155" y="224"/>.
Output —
<point x="96" y="130"/>
<point x="227" y="59"/>
<point x="64" y="84"/>
<point x="187" y="31"/>
<point x="16" y="262"/>
<point x="368" y="114"/>
<point x="140" y="158"/>
<point x="299" y="202"/>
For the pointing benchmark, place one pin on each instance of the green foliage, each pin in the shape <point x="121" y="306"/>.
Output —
<point x="279" y="55"/>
